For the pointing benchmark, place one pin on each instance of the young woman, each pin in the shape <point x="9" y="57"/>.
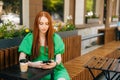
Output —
<point x="43" y="44"/>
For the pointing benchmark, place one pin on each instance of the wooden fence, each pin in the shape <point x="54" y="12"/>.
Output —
<point x="8" y="57"/>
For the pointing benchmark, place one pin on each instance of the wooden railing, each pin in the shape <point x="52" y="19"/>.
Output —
<point x="8" y="57"/>
<point x="92" y="36"/>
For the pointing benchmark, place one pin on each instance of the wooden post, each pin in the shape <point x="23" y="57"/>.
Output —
<point x="72" y="10"/>
<point x="119" y="11"/>
<point x="101" y="12"/>
<point x="108" y="13"/>
<point x="34" y="7"/>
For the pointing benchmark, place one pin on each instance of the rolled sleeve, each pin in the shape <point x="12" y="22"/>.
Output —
<point x="59" y="46"/>
<point x="26" y="44"/>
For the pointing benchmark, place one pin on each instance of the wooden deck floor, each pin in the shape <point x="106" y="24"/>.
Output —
<point x="76" y="66"/>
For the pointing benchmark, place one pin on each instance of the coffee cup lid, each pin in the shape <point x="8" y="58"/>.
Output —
<point x="23" y="60"/>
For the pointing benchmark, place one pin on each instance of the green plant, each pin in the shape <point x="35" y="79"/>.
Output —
<point x="89" y="4"/>
<point x="114" y="16"/>
<point x="8" y="30"/>
<point x="67" y="27"/>
<point x="92" y="17"/>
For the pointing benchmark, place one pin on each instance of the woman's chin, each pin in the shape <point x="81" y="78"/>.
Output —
<point x="43" y="32"/>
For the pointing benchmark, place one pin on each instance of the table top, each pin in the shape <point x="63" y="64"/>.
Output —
<point x="32" y="73"/>
<point x="103" y="63"/>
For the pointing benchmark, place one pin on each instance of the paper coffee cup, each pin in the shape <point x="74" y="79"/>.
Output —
<point x="23" y="65"/>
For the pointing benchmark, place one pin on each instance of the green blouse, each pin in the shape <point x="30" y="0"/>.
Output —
<point x="59" y="48"/>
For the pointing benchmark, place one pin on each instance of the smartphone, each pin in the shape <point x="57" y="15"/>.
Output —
<point x="47" y="61"/>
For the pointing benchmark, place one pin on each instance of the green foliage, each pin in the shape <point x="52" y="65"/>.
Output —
<point x="53" y="5"/>
<point x="89" y="5"/>
<point x="93" y="17"/>
<point x="114" y="16"/>
<point x="68" y="27"/>
<point x="4" y="32"/>
<point x="8" y="30"/>
<point x="21" y="32"/>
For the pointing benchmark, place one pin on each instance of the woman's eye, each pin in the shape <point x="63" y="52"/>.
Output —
<point x="47" y="23"/>
<point x="41" y="23"/>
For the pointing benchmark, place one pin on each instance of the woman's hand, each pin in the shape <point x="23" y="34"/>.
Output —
<point x="35" y="64"/>
<point x="40" y="64"/>
<point x="50" y="65"/>
<point x="53" y="63"/>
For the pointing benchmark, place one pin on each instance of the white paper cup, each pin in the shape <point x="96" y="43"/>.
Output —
<point x="23" y="65"/>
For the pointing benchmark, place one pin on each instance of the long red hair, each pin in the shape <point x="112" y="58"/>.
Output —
<point x="49" y="36"/>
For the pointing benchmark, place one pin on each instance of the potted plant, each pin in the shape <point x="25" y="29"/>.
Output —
<point x="115" y="18"/>
<point x="10" y="35"/>
<point x="92" y="19"/>
<point x="66" y="29"/>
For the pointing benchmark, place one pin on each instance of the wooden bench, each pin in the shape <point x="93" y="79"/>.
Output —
<point x="10" y="56"/>
<point x="76" y="68"/>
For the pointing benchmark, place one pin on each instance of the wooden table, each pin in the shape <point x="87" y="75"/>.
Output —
<point x="106" y="65"/>
<point x="14" y="73"/>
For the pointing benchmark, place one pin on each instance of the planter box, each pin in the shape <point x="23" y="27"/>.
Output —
<point x="7" y="43"/>
<point x="92" y="20"/>
<point x="114" y="19"/>
<point x="68" y="33"/>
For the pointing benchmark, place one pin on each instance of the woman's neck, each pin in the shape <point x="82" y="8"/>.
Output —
<point x="42" y="35"/>
<point x="42" y="39"/>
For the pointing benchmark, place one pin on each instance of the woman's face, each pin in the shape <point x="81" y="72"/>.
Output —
<point x="43" y="25"/>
